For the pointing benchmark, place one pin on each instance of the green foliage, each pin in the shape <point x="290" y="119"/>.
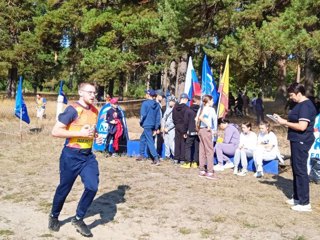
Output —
<point x="99" y="41"/>
<point x="136" y="90"/>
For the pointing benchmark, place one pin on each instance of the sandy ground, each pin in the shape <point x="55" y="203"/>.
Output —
<point x="141" y="201"/>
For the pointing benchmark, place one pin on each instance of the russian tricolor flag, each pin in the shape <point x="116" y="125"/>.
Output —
<point x="192" y="86"/>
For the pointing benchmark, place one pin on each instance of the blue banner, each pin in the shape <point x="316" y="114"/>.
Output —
<point x="208" y="84"/>
<point x="21" y="110"/>
<point x="61" y="92"/>
<point x="103" y="126"/>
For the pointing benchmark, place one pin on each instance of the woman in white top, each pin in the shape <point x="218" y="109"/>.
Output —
<point x="267" y="148"/>
<point x="206" y="121"/>
<point x="248" y="142"/>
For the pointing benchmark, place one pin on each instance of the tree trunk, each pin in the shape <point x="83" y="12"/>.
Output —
<point x="165" y="79"/>
<point x="148" y="81"/>
<point x="298" y="73"/>
<point x="110" y="88"/>
<point x="281" y="88"/>
<point x="309" y="73"/>
<point x="121" y="85"/>
<point x="181" y="75"/>
<point x="12" y="81"/>
<point x="126" y="84"/>
<point x="172" y="76"/>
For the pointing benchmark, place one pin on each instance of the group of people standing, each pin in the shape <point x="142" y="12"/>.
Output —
<point x="191" y="138"/>
<point x="242" y="105"/>
<point x="193" y="126"/>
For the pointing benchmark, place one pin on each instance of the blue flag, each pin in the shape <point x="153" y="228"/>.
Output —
<point x="208" y="84"/>
<point x="21" y="109"/>
<point x="61" y="92"/>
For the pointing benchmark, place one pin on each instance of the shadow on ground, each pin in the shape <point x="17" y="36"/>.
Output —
<point x="104" y="205"/>
<point x="281" y="183"/>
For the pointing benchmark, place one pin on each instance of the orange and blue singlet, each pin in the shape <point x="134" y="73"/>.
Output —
<point x="76" y="117"/>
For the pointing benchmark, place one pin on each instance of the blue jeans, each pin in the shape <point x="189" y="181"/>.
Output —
<point x="146" y="140"/>
<point x="73" y="163"/>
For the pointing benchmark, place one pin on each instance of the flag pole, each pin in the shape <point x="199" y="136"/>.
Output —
<point x="20" y="123"/>
<point x="219" y="93"/>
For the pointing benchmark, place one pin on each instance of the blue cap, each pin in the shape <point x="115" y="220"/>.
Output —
<point x="159" y="92"/>
<point x="184" y="95"/>
<point x="150" y="92"/>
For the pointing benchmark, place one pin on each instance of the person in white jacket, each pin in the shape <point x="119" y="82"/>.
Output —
<point x="267" y="148"/>
<point x="247" y="145"/>
<point x="168" y="128"/>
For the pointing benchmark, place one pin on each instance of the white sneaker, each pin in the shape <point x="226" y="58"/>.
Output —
<point x="228" y="165"/>
<point x="235" y="171"/>
<point x="258" y="174"/>
<point x="292" y="202"/>
<point x="218" y="168"/>
<point x="302" y="208"/>
<point x="242" y="173"/>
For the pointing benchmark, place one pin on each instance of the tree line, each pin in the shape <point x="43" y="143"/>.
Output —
<point x="125" y="46"/>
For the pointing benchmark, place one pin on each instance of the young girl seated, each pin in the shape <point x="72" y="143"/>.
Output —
<point x="229" y="145"/>
<point x="248" y="142"/>
<point x="267" y="148"/>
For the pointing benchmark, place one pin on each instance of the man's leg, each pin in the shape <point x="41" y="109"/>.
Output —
<point x="69" y="170"/>
<point x="90" y="178"/>
<point x="143" y="144"/>
<point x="150" y="144"/>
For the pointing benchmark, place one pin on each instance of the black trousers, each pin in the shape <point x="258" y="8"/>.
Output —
<point x="299" y="156"/>
<point x="179" y="146"/>
<point x="108" y="140"/>
<point x="160" y="142"/>
<point x="192" y="149"/>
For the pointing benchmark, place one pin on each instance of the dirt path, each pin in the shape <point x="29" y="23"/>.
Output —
<point x="141" y="201"/>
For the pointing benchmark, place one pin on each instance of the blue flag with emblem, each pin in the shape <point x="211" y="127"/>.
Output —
<point x="208" y="84"/>
<point x="20" y="110"/>
<point x="61" y="92"/>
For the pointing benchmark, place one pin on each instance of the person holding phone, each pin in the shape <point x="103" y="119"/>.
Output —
<point x="300" y="134"/>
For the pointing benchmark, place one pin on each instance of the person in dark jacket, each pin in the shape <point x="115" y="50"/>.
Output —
<point x="178" y="120"/>
<point x="150" y="122"/>
<point x="113" y="118"/>
<point x="259" y="109"/>
<point x="159" y="137"/>
<point x="192" y="139"/>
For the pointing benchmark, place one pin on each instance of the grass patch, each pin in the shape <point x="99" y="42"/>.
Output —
<point x="279" y="225"/>
<point x="46" y="235"/>
<point x="184" y="231"/>
<point x="300" y="238"/>
<point x="249" y="225"/>
<point x="219" y="219"/>
<point x="45" y="206"/>
<point x="206" y="232"/>
<point x="144" y="236"/>
<point x="6" y="232"/>
<point x="14" y="197"/>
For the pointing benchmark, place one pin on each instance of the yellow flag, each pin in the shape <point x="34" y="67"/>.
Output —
<point x="224" y="91"/>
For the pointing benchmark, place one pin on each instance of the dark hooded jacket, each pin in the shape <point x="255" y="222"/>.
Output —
<point x="150" y="114"/>
<point x="178" y="116"/>
<point x="189" y="119"/>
